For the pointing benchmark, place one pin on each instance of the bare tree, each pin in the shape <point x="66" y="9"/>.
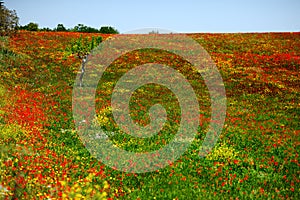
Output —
<point x="84" y="60"/>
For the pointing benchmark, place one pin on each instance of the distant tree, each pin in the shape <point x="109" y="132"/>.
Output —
<point x="30" y="27"/>
<point x="84" y="29"/>
<point x="60" y="27"/>
<point x="46" y="29"/>
<point x="154" y="32"/>
<point x="9" y="21"/>
<point x="79" y="28"/>
<point x="92" y="30"/>
<point x="108" y="30"/>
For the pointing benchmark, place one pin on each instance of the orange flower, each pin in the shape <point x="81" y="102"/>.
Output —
<point x="261" y="190"/>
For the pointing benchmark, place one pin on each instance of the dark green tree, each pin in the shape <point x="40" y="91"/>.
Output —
<point x="79" y="28"/>
<point x="30" y="27"/>
<point x="108" y="30"/>
<point x="60" y="27"/>
<point x="84" y="29"/>
<point x="46" y="29"/>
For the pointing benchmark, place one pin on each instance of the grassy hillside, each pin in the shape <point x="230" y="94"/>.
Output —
<point x="256" y="157"/>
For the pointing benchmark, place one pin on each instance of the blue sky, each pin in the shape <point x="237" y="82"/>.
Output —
<point x="178" y="16"/>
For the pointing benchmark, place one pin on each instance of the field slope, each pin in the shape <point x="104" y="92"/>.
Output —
<point x="257" y="155"/>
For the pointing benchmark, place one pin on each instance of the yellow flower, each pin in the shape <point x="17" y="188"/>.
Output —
<point x="63" y="183"/>
<point x="89" y="190"/>
<point x="78" y="196"/>
<point x="106" y="185"/>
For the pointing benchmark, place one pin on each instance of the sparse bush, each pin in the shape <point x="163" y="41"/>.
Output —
<point x="83" y="46"/>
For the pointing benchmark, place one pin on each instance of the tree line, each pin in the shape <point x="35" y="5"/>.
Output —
<point x="9" y="24"/>
<point x="78" y="28"/>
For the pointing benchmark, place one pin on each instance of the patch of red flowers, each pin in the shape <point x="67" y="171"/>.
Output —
<point x="26" y="109"/>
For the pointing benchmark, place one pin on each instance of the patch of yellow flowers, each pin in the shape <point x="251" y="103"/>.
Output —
<point x="102" y="118"/>
<point x="85" y="189"/>
<point x="12" y="131"/>
<point x="222" y="152"/>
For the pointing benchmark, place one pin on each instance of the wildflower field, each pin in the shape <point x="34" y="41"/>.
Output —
<point x="256" y="156"/>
